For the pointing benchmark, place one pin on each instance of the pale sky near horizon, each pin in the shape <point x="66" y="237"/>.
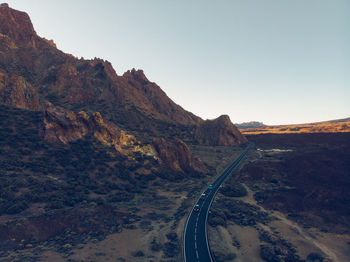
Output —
<point x="275" y="61"/>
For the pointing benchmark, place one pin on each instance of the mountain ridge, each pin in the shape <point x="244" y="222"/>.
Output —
<point x="129" y="100"/>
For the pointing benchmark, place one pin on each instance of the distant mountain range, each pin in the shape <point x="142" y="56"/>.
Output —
<point x="251" y="124"/>
<point x="330" y="126"/>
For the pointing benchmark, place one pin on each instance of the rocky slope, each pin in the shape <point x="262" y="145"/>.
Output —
<point x="69" y="81"/>
<point x="177" y="156"/>
<point x="86" y="154"/>
<point x="33" y="72"/>
<point x="16" y="91"/>
<point x="66" y="126"/>
<point x="219" y="131"/>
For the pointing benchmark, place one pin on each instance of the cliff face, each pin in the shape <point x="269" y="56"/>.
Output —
<point x="17" y="26"/>
<point x="219" y="131"/>
<point x="17" y="92"/>
<point x="177" y="156"/>
<point x="66" y="126"/>
<point x="62" y="126"/>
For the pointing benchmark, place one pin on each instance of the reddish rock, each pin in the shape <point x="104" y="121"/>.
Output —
<point x="219" y="131"/>
<point x="130" y="101"/>
<point x="177" y="156"/>
<point x="67" y="126"/>
<point x="17" y="26"/>
<point x="17" y="92"/>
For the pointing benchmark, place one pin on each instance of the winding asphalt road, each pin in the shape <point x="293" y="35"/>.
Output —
<point x="196" y="247"/>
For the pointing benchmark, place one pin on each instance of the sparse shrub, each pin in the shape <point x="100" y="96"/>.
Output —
<point x="172" y="236"/>
<point x="234" y="190"/>
<point x="217" y="218"/>
<point x="17" y="207"/>
<point x="155" y="245"/>
<point x="138" y="254"/>
<point x="170" y="249"/>
<point x="221" y="257"/>
<point x="314" y="257"/>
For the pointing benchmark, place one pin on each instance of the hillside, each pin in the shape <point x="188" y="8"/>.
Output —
<point x="94" y="165"/>
<point x="34" y="73"/>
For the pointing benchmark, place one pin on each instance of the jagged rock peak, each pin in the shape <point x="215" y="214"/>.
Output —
<point x="219" y="131"/>
<point x="17" y="25"/>
<point x="137" y="75"/>
<point x="223" y="119"/>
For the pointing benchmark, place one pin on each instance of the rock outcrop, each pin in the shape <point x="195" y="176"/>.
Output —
<point x="17" y="92"/>
<point x="177" y="156"/>
<point x="17" y="26"/>
<point x="62" y="126"/>
<point x="67" y="126"/>
<point x="219" y="131"/>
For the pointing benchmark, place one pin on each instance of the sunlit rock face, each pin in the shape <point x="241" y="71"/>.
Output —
<point x="63" y="126"/>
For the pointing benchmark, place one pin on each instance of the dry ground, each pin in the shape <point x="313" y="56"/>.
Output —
<point x="162" y="210"/>
<point x="281" y="230"/>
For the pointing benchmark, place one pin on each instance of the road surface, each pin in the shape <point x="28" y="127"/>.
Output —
<point x="196" y="247"/>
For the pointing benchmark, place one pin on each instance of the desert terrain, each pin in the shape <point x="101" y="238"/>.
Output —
<point x="335" y="126"/>
<point x="289" y="202"/>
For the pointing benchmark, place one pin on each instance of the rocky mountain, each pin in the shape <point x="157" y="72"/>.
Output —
<point x="65" y="80"/>
<point x="82" y="98"/>
<point x="33" y="72"/>
<point x="219" y="131"/>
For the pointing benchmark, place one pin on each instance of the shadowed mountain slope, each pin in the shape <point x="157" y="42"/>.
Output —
<point x="34" y="73"/>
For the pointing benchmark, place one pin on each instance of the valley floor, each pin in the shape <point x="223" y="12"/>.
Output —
<point x="244" y="241"/>
<point x="284" y="214"/>
<point x="155" y="232"/>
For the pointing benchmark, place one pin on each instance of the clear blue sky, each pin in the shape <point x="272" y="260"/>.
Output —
<point x="275" y="61"/>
